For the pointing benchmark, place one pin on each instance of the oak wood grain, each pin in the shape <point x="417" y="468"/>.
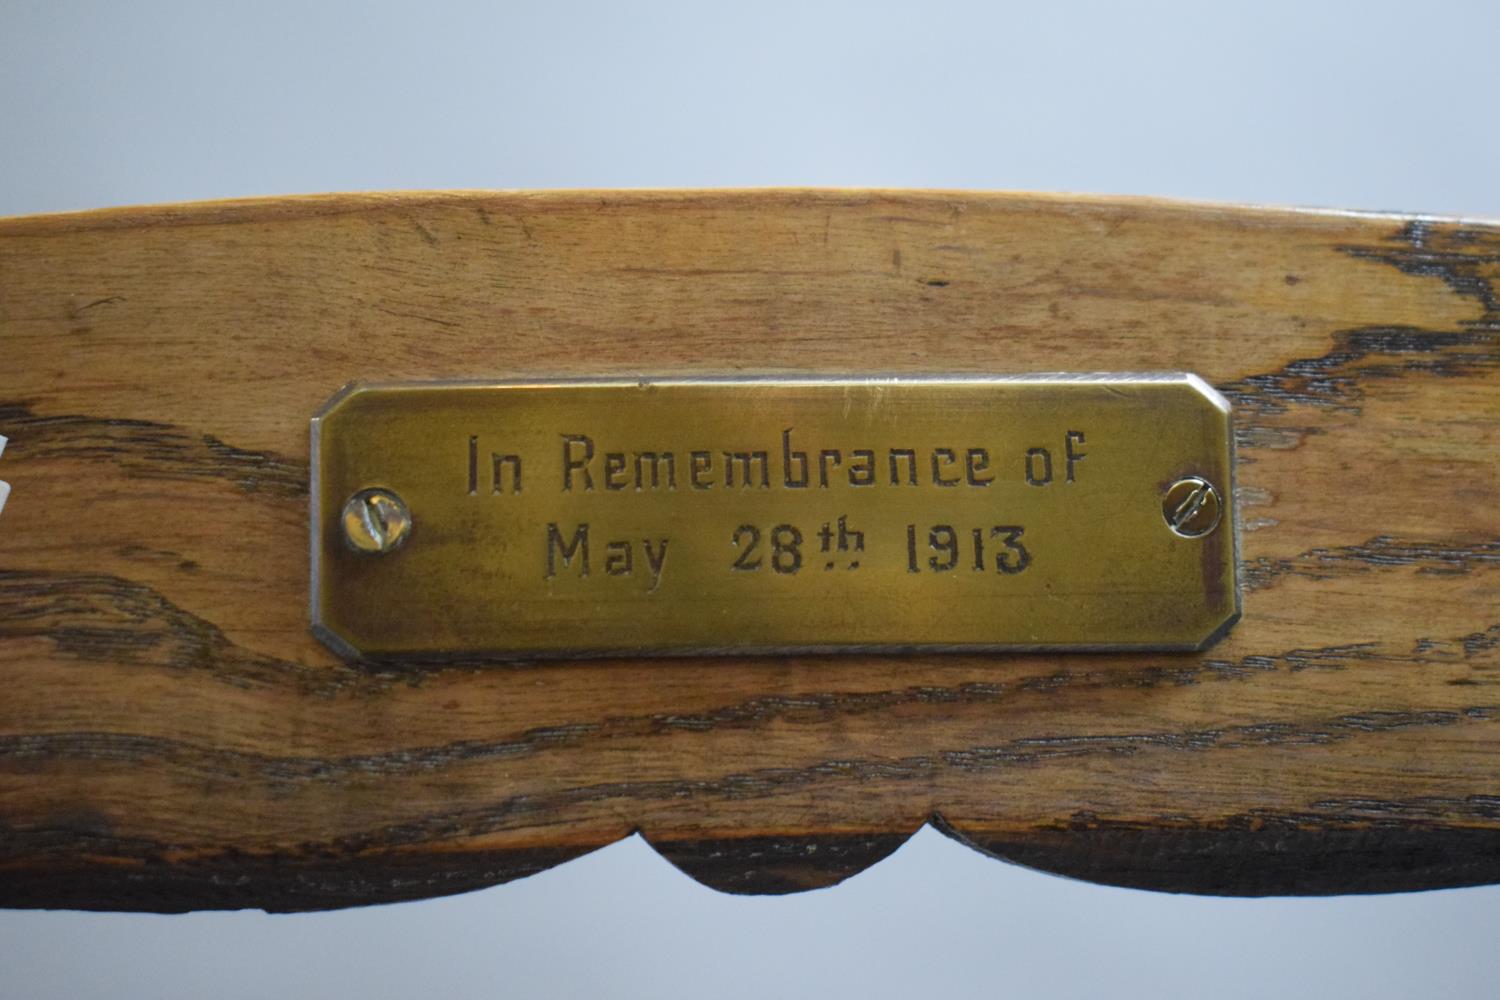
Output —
<point x="172" y="737"/>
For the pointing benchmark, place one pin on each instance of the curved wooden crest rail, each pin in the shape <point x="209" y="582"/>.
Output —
<point x="172" y="737"/>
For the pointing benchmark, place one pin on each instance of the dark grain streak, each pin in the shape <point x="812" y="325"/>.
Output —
<point x="1471" y="808"/>
<point x="106" y="619"/>
<point x="1037" y="750"/>
<point x="1464" y="260"/>
<point x="220" y="763"/>
<point x="147" y="450"/>
<point x="1339" y="378"/>
<point x="1445" y="253"/>
<point x="1482" y="642"/>
<point x="1380" y="552"/>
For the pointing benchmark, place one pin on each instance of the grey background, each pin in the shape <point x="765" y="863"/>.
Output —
<point x="1369" y="105"/>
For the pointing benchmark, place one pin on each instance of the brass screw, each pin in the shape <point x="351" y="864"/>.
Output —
<point x="1192" y="507"/>
<point x="375" y="521"/>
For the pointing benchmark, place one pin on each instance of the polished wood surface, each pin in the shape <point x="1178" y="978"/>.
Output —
<point x="171" y="735"/>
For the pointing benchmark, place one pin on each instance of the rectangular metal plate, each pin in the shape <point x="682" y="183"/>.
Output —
<point x="763" y="515"/>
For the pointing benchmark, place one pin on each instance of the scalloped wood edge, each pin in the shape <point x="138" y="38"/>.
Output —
<point x="173" y="738"/>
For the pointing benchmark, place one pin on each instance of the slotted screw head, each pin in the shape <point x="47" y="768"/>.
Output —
<point x="1192" y="507"/>
<point x="375" y="521"/>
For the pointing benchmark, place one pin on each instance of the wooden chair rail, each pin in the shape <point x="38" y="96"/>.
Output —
<point x="171" y="736"/>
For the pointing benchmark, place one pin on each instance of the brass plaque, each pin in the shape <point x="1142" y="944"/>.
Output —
<point x="765" y="515"/>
